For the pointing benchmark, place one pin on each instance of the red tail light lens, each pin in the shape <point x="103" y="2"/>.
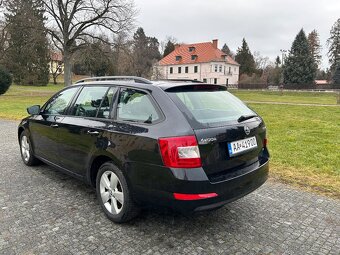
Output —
<point x="265" y="142"/>
<point x="180" y="152"/>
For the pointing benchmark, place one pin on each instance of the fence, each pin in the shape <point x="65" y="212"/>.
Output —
<point x="263" y="86"/>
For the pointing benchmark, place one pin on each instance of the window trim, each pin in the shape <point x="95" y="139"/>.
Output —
<point x="43" y="108"/>
<point x="70" y="107"/>
<point x="153" y="101"/>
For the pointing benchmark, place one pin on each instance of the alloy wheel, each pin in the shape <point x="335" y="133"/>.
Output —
<point x="25" y="148"/>
<point x="111" y="192"/>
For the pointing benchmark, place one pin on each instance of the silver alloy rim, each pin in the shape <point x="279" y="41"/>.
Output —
<point x="25" y="148"/>
<point x="111" y="192"/>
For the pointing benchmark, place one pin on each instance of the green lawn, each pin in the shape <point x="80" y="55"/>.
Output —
<point x="287" y="96"/>
<point x="13" y="104"/>
<point x="304" y="141"/>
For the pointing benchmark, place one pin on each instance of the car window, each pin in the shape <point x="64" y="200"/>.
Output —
<point x="137" y="106"/>
<point x="104" y="111"/>
<point x="89" y="101"/>
<point x="210" y="107"/>
<point x="59" y="103"/>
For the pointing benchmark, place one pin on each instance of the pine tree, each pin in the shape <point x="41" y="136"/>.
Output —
<point x="226" y="49"/>
<point x="277" y="61"/>
<point x="336" y="76"/>
<point x="145" y="52"/>
<point x="245" y="59"/>
<point x="334" y="45"/>
<point x="27" y="57"/>
<point x="314" y="46"/>
<point x="170" y="47"/>
<point x="299" y="67"/>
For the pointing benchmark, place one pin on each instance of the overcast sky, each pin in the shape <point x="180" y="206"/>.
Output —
<point x="267" y="25"/>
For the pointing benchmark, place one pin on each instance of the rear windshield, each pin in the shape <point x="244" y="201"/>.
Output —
<point x="209" y="107"/>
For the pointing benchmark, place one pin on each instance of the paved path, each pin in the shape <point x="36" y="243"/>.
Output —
<point x="284" y="103"/>
<point x="45" y="212"/>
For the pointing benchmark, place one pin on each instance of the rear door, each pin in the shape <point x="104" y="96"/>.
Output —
<point x="82" y="129"/>
<point x="226" y="141"/>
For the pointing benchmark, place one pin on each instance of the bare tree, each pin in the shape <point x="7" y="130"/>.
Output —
<point x="72" y="22"/>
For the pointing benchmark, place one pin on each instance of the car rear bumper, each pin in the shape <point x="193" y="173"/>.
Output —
<point x="227" y="190"/>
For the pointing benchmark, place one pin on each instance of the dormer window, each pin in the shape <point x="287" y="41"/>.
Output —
<point x="191" y="49"/>
<point x="178" y="58"/>
<point x="193" y="57"/>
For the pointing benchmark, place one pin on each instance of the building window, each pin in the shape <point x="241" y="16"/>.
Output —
<point x="179" y="69"/>
<point x="215" y="80"/>
<point x="227" y="82"/>
<point x="193" y="57"/>
<point x="216" y="68"/>
<point x="171" y="69"/>
<point x="186" y="69"/>
<point x="195" y="69"/>
<point x="191" y="49"/>
<point x="220" y="68"/>
<point x="205" y="80"/>
<point x="178" y="58"/>
<point x="229" y="70"/>
<point x="235" y="69"/>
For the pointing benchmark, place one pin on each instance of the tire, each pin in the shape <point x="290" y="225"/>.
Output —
<point x="26" y="151"/>
<point x="114" y="194"/>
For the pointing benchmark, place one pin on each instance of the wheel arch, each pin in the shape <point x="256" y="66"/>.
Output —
<point x="95" y="164"/>
<point x="20" y="130"/>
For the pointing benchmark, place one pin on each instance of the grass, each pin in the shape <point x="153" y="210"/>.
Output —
<point x="13" y="104"/>
<point x="287" y="96"/>
<point x="304" y="141"/>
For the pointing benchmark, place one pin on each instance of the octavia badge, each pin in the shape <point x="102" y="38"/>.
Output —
<point x="247" y="130"/>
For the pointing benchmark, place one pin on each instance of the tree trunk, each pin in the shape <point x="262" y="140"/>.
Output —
<point x="54" y="75"/>
<point x="67" y="68"/>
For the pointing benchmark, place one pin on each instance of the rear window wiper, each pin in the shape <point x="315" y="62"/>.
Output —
<point x="246" y="117"/>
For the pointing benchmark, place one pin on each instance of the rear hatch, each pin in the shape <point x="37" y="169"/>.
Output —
<point x="230" y="136"/>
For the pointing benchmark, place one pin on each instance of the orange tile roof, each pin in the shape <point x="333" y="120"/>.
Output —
<point x="56" y="56"/>
<point x="206" y="52"/>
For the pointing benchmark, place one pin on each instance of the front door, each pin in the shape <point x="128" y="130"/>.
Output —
<point x="44" y="128"/>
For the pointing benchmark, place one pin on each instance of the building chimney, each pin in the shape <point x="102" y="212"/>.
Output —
<point x="215" y="43"/>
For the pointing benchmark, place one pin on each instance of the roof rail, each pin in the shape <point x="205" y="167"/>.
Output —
<point x="181" y="80"/>
<point x="116" y="78"/>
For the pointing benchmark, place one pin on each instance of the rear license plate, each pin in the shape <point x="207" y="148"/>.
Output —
<point x="243" y="145"/>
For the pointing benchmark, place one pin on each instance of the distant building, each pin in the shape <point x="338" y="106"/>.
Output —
<point x="321" y="82"/>
<point x="56" y="64"/>
<point x="199" y="61"/>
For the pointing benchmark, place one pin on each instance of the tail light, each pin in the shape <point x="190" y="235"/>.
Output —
<point x="265" y="142"/>
<point x="180" y="152"/>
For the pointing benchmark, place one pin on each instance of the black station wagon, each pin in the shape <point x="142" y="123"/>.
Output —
<point x="185" y="145"/>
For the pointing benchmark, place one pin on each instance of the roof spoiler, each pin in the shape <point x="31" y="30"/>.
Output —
<point x="116" y="78"/>
<point x="181" y="80"/>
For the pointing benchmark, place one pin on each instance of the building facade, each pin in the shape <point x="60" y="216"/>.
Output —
<point x="200" y="61"/>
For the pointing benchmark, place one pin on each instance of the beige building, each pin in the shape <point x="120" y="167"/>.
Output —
<point x="56" y="64"/>
<point x="200" y="61"/>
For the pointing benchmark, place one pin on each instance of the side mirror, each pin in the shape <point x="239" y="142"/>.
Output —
<point x="34" y="110"/>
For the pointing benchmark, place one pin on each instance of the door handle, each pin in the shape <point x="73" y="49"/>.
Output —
<point x="54" y="125"/>
<point x="93" y="132"/>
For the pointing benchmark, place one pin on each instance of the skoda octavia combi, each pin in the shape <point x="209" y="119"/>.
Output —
<point x="184" y="145"/>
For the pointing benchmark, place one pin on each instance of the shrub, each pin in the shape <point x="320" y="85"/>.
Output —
<point x="5" y="81"/>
